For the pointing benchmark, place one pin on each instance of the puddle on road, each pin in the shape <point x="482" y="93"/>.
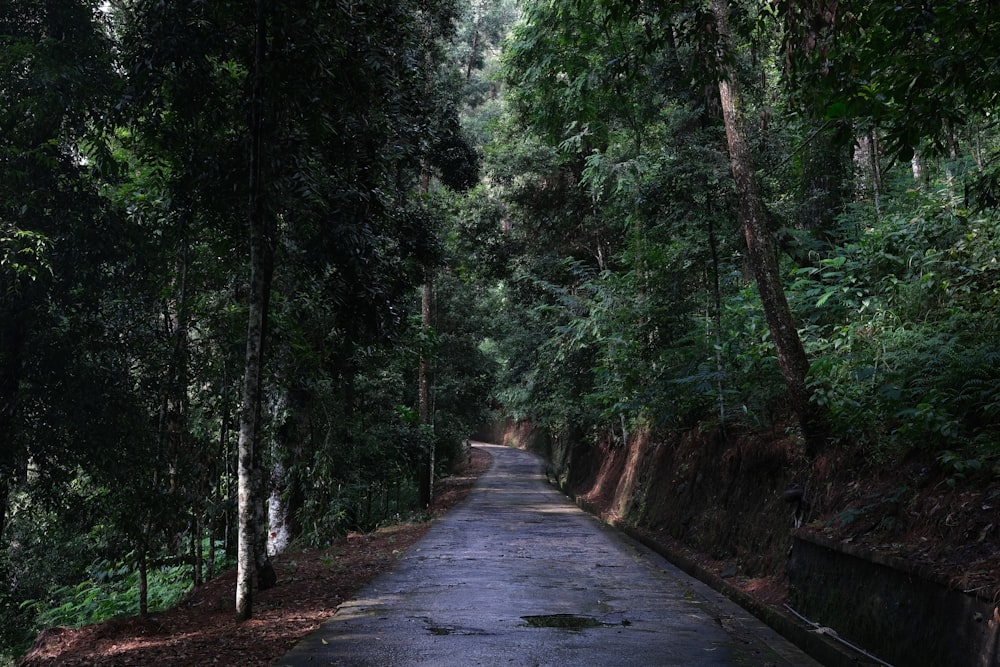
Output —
<point x="444" y="630"/>
<point x="565" y="621"/>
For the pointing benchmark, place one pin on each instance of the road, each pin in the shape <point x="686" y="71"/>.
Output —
<point x="518" y="575"/>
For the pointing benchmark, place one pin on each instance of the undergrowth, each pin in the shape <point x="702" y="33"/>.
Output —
<point x="111" y="590"/>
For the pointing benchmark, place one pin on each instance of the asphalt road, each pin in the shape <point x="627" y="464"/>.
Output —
<point x="518" y="575"/>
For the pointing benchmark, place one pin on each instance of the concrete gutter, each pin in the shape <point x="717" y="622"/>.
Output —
<point x="818" y="644"/>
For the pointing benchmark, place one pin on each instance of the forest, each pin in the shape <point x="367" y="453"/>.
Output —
<point x="265" y="267"/>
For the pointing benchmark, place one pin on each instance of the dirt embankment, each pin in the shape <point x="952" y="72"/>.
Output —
<point x="731" y="501"/>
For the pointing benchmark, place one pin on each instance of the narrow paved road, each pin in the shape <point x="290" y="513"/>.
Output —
<point x="518" y="575"/>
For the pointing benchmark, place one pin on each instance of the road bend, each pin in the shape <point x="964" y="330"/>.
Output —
<point x="518" y="575"/>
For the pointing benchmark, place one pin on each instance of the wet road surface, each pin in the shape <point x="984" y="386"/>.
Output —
<point x="518" y="575"/>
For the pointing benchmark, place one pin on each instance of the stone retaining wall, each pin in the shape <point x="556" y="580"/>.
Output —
<point x="889" y="607"/>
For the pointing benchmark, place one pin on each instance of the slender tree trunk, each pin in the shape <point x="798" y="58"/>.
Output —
<point x="424" y="398"/>
<point x="227" y="470"/>
<point x="5" y="491"/>
<point x="760" y="248"/>
<point x="424" y="411"/>
<point x="473" y="53"/>
<point x="13" y="327"/>
<point x="862" y="170"/>
<point x="176" y="319"/>
<point x="210" y="559"/>
<point x="261" y="272"/>
<point x="717" y="322"/>
<point x="198" y="553"/>
<point x="424" y="402"/>
<point x="876" y="156"/>
<point x="143" y="583"/>
<point x="952" y="163"/>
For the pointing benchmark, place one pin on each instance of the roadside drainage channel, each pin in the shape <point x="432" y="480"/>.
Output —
<point x="818" y="645"/>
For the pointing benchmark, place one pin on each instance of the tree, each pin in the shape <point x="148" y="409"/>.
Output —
<point x="56" y="234"/>
<point x="72" y="332"/>
<point x="123" y="209"/>
<point x="760" y="246"/>
<point x="917" y="70"/>
<point x="262" y="243"/>
<point x="588" y="92"/>
<point x="301" y="146"/>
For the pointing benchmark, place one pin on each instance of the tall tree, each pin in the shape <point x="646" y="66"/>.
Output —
<point x="578" y="100"/>
<point x="57" y="236"/>
<point x="760" y="244"/>
<point x="251" y="555"/>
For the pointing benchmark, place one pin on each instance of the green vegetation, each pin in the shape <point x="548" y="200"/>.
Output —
<point x="112" y="591"/>
<point x="559" y="175"/>
<point x="126" y="285"/>
<point x="633" y="301"/>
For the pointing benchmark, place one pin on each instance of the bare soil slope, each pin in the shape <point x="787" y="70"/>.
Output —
<point x="717" y="501"/>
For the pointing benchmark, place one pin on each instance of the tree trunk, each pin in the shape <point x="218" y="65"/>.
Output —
<point x="198" y="554"/>
<point x="13" y="327"/>
<point x="760" y="249"/>
<point x="426" y="471"/>
<point x="917" y="166"/>
<point x="228" y="478"/>
<point x="266" y="576"/>
<point x="143" y="583"/>
<point x="176" y="323"/>
<point x="717" y="323"/>
<point x="862" y="167"/>
<point x="424" y="400"/>
<point x="210" y="562"/>
<point x="866" y="172"/>
<point x="278" y="519"/>
<point x="5" y="491"/>
<point x="473" y="53"/>
<point x="261" y="272"/>
<point x="291" y="417"/>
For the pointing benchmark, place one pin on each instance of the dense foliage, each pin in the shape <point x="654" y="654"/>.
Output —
<point x="561" y="173"/>
<point x="630" y="298"/>
<point x="128" y="143"/>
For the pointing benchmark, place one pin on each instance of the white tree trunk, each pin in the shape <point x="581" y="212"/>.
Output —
<point x="261" y="269"/>
<point x="279" y="532"/>
<point x="279" y="528"/>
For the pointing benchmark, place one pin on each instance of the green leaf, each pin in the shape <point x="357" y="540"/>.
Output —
<point x="826" y="296"/>
<point x="836" y="110"/>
